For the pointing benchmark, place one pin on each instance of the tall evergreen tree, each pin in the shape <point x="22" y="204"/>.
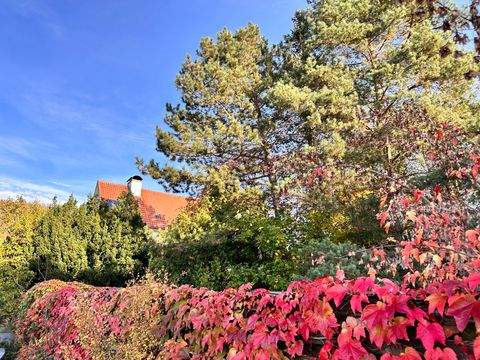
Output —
<point x="60" y="242"/>
<point x="405" y="77"/>
<point x="348" y="96"/>
<point x="391" y="60"/>
<point x="225" y="132"/>
<point x="258" y="115"/>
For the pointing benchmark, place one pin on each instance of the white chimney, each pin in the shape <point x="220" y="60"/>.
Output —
<point x="135" y="185"/>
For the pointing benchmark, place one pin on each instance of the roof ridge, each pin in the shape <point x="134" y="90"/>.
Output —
<point x="168" y="193"/>
<point x="110" y="182"/>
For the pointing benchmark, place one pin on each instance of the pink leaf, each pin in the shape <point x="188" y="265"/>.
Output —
<point x="428" y="333"/>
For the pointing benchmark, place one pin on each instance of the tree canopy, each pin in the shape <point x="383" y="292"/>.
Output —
<point x="18" y="219"/>
<point x="351" y="93"/>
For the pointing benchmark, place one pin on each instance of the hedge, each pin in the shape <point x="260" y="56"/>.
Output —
<point x="327" y="318"/>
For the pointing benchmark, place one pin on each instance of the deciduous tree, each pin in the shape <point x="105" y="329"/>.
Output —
<point x="18" y="218"/>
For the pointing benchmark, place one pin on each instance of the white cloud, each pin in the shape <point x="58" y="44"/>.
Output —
<point x="7" y="161"/>
<point x="15" y="145"/>
<point x="12" y="188"/>
<point x="22" y="147"/>
<point x="60" y="184"/>
<point x="56" y="108"/>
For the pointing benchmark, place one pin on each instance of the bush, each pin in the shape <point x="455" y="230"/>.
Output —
<point x="225" y="242"/>
<point x="93" y="242"/>
<point x="327" y="318"/>
<point x="326" y="258"/>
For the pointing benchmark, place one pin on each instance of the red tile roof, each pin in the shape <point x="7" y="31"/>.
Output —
<point x="158" y="209"/>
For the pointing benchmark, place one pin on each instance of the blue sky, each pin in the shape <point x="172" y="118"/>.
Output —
<point x="83" y="84"/>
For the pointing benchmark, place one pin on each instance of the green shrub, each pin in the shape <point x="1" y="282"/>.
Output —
<point x="226" y="242"/>
<point x="93" y="242"/>
<point x="324" y="257"/>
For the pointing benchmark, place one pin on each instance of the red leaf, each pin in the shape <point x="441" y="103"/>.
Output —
<point x="357" y="327"/>
<point x="262" y="355"/>
<point x="398" y="329"/>
<point x="473" y="280"/>
<point x="260" y="337"/>
<point x="377" y="335"/>
<point x="405" y="202"/>
<point x="462" y="307"/>
<point x="436" y="301"/>
<point x="356" y="302"/>
<point x="324" y="353"/>
<point x="296" y="348"/>
<point x="428" y="333"/>
<point x="304" y="330"/>
<point x="382" y="217"/>
<point x="417" y="194"/>
<point x="375" y="314"/>
<point x="337" y="293"/>
<point x="322" y="319"/>
<point x="439" y="354"/>
<point x="475" y="171"/>
<point x="348" y="348"/>
<point x="363" y="284"/>
<point x="472" y="235"/>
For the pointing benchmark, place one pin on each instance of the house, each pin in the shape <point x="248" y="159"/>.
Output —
<point x="158" y="209"/>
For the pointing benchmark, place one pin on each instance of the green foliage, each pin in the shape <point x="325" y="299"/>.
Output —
<point x="11" y="350"/>
<point x="397" y="75"/>
<point x="326" y="258"/>
<point x="225" y="242"/>
<point x="17" y="221"/>
<point x="354" y="224"/>
<point x="348" y="90"/>
<point x="224" y="130"/>
<point x="60" y="241"/>
<point x="91" y="242"/>
<point x="228" y="241"/>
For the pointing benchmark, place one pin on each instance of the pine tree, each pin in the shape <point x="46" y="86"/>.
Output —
<point x="405" y="78"/>
<point x="226" y="133"/>
<point x="333" y="92"/>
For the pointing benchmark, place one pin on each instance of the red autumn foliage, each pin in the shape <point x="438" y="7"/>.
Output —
<point x="435" y="233"/>
<point x="434" y="313"/>
<point x="437" y="240"/>
<point x="328" y="318"/>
